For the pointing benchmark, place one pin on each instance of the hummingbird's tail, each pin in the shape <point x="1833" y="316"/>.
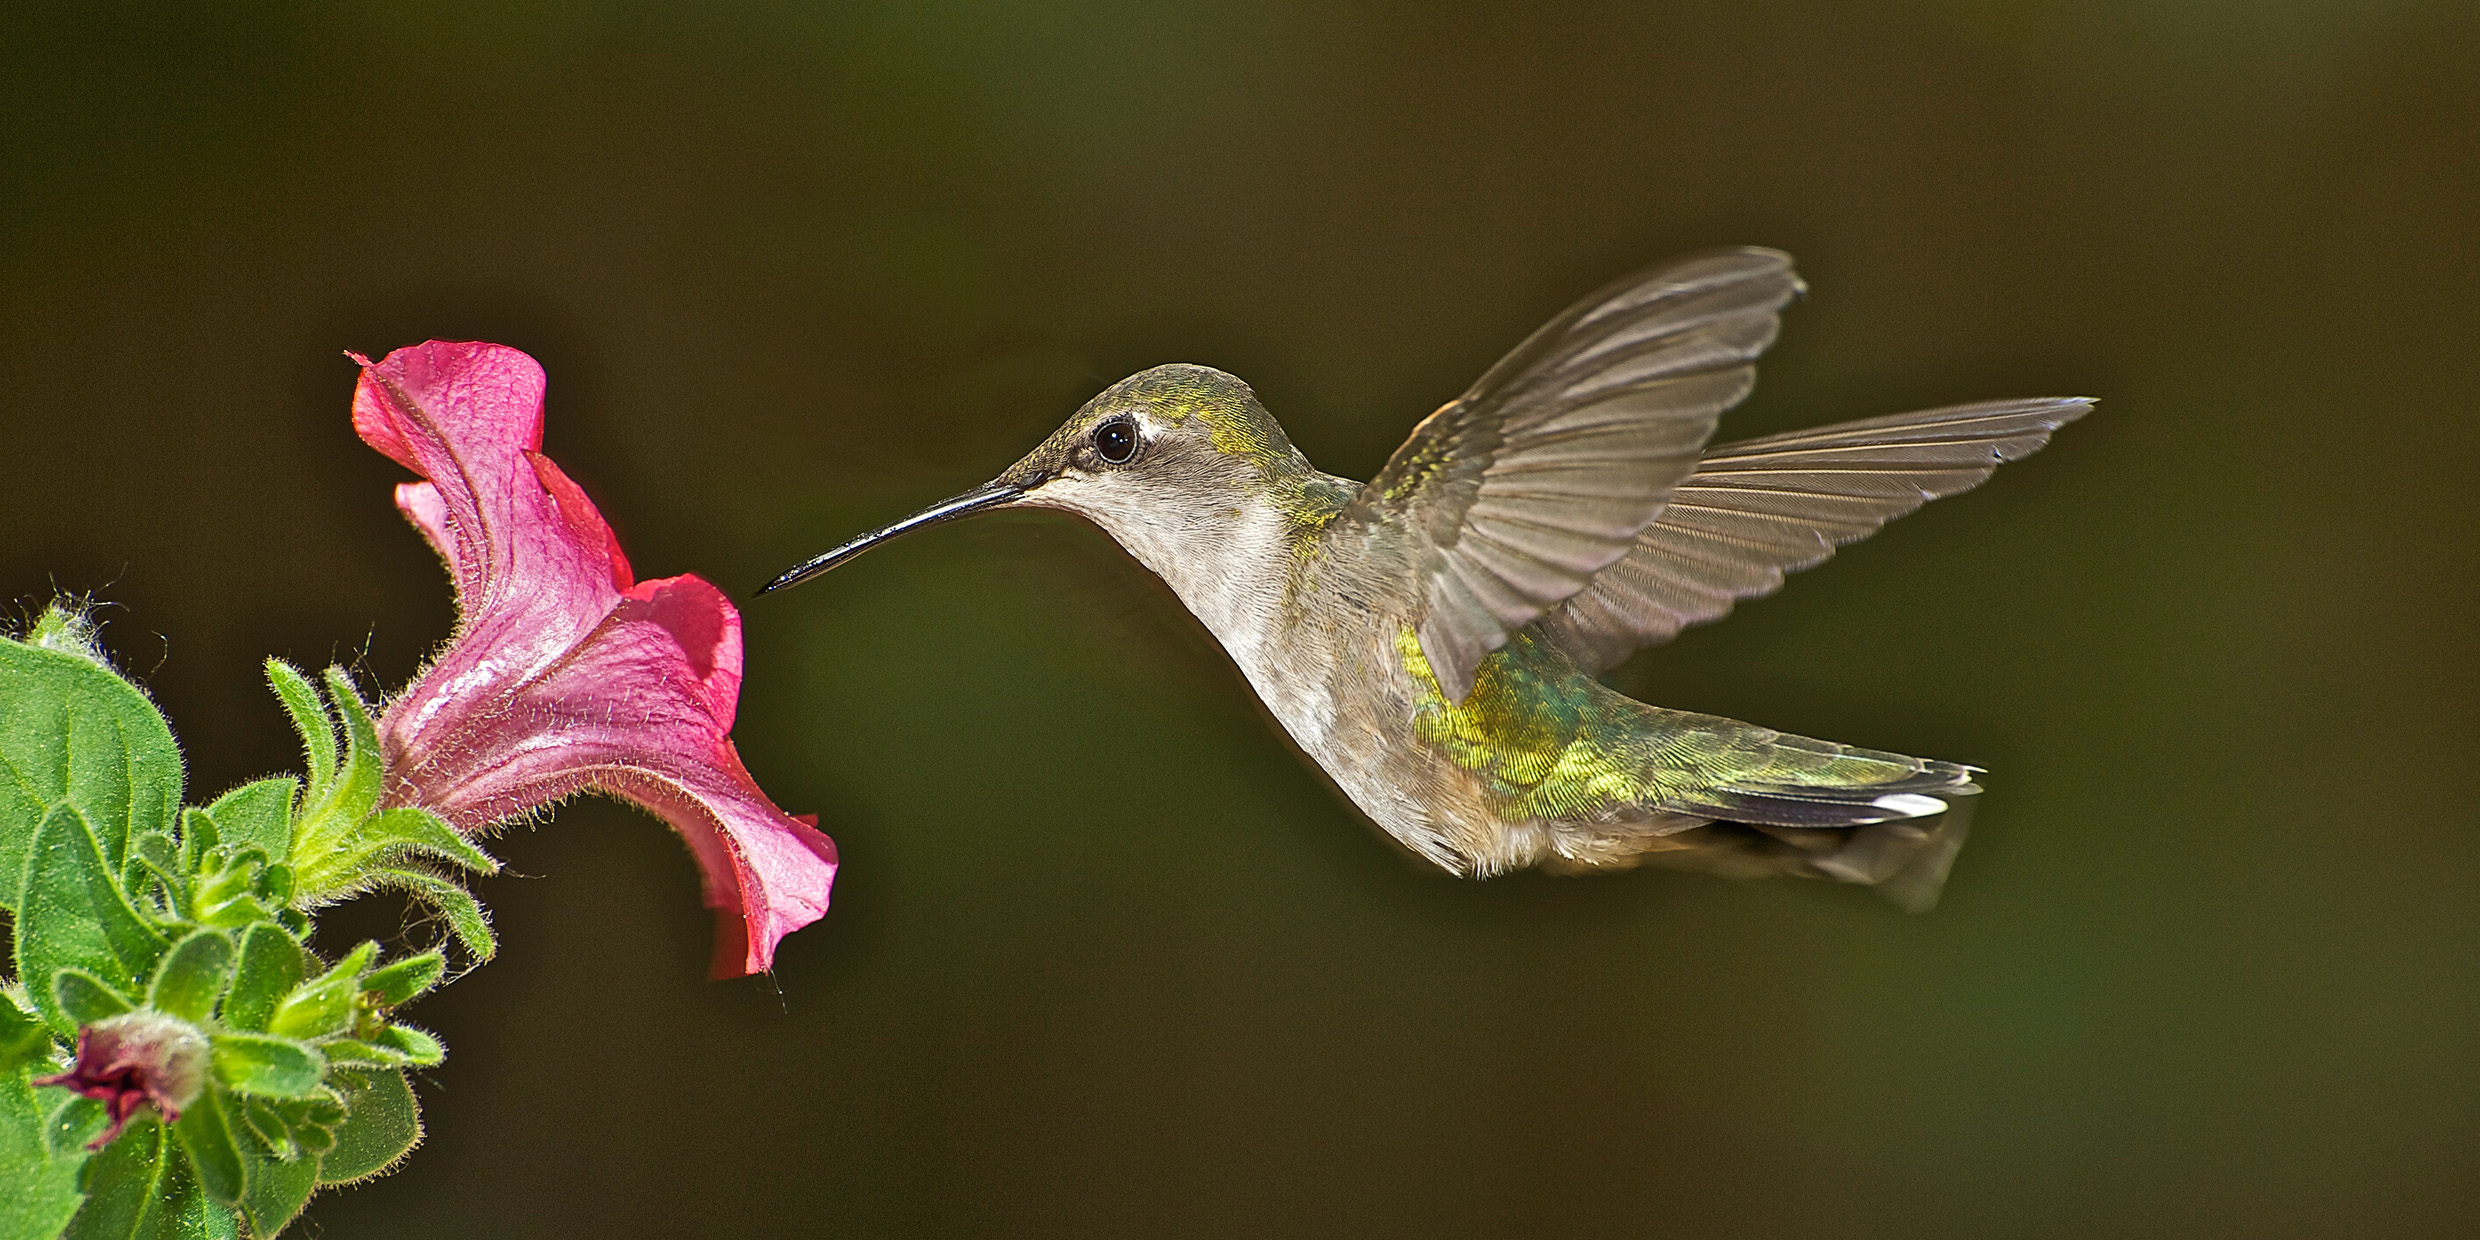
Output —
<point x="1780" y="804"/>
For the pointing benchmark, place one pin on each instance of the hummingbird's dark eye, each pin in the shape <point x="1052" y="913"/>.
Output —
<point x="1115" y="441"/>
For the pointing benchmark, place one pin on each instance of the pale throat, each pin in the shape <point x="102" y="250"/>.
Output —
<point x="1227" y="562"/>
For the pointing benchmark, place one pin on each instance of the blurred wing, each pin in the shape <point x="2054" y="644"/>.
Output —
<point x="1544" y="473"/>
<point x="1764" y="507"/>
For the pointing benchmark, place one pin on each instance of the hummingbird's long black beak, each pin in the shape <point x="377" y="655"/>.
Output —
<point x="979" y="499"/>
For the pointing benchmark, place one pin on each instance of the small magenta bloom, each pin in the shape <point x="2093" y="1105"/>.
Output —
<point x="133" y="1060"/>
<point x="566" y="674"/>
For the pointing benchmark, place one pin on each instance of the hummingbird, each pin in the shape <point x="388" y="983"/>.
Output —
<point x="1433" y="638"/>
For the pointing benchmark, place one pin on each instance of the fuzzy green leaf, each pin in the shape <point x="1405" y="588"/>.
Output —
<point x="278" y="1190"/>
<point x="271" y="965"/>
<point x="74" y="915"/>
<point x="356" y="790"/>
<point x="270" y="1067"/>
<point x="198" y="838"/>
<point x="207" y="1138"/>
<point x="421" y="831"/>
<point x="71" y="730"/>
<point x="121" y="1182"/>
<point x="381" y="1123"/>
<point x="466" y="919"/>
<point x="85" y="998"/>
<point x="38" y="1188"/>
<point x="155" y="859"/>
<point x="397" y="984"/>
<point x="23" y="1039"/>
<point x="192" y="976"/>
<point x="268" y="1126"/>
<point x="228" y="894"/>
<point x="316" y="1139"/>
<point x="324" y="1004"/>
<point x="258" y="813"/>
<point x="318" y="732"/>
<point x="397" y="1046"/>
<point x="183" y="1211"/>
<point x="335" y="859"/>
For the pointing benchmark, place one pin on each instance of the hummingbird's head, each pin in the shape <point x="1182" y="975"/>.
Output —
<point x="1166" y="460"/>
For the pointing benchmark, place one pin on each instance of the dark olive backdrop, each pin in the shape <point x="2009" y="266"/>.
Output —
<point x="1107" y="960"/>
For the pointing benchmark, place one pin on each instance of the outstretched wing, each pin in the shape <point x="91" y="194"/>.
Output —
<point x="1755" y="510"/>
<point x="1544" y="473"/>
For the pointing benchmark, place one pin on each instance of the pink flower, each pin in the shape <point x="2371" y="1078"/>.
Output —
<point x="566" y="674"/>
<point x="133" y="1059"/>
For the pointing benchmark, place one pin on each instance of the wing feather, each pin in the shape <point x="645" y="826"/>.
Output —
<point x="1545" y="472"/>
<point x="1758" y="509"/>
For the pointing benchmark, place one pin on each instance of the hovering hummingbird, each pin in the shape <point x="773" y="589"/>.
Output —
<point x="1432" y="638"/>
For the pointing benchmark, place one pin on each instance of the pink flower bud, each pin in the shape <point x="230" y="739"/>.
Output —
<point x="136" y="1058"/>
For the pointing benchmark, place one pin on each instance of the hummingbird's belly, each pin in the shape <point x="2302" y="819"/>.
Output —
<point x="1356" y="723"/>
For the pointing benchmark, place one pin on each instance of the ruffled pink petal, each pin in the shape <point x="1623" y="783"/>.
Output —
<point x="468" y="417"/>
<point x="639" y="710"/>
<point x="585" y="522"/>
<point x="564" y="675"/>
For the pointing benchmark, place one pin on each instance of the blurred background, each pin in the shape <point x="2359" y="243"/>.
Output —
<point x="1107" y="958"/>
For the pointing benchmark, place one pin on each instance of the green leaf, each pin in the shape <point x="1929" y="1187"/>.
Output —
<point x="120" y="1182"/>
<point x="466" y="919"/>
<point x="338" y="860"/>
<point x="419" y="1046"/>
<point x="208" y="1140"/>
<point x="318" y="732"/>
<point x="267" y="1124"/>
<point x="154" y="857"/>
<point x="71" y="730"/>
<point x="192" y="976"/>
<point x="397" y="984"/>
<point x="198" y="838"/>
<point x="278" y="1190"/>
<point x="397" y="1046"/>
<point x="381" y="1123"/>
<point x="272" y="1067"/>
<point x="23" y="1039"/>
<point x="324" y="1005"/>
<point x="313" y="1120"/>
<point x="182" y="1212"/>
<point x="85" y="998"/>
<point x="38" y="1188"/>
<point x="232" y="889"/>
<point x="74" y="915"/>
<point x="356" y="789"/>
<point x="421" y="831"/>
<point x="258" y="813"/>
<point x="271" y="965"/>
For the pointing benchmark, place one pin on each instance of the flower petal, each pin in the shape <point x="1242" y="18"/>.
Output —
<point x="642" y="709"/>
<point x="468" y="417"/>
<point x="566" y="676"/>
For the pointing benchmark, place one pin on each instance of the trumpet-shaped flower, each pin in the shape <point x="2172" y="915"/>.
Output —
<point x="565" y="673"/>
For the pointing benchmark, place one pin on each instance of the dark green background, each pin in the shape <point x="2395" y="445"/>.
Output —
<point x="1107" y="960"/>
